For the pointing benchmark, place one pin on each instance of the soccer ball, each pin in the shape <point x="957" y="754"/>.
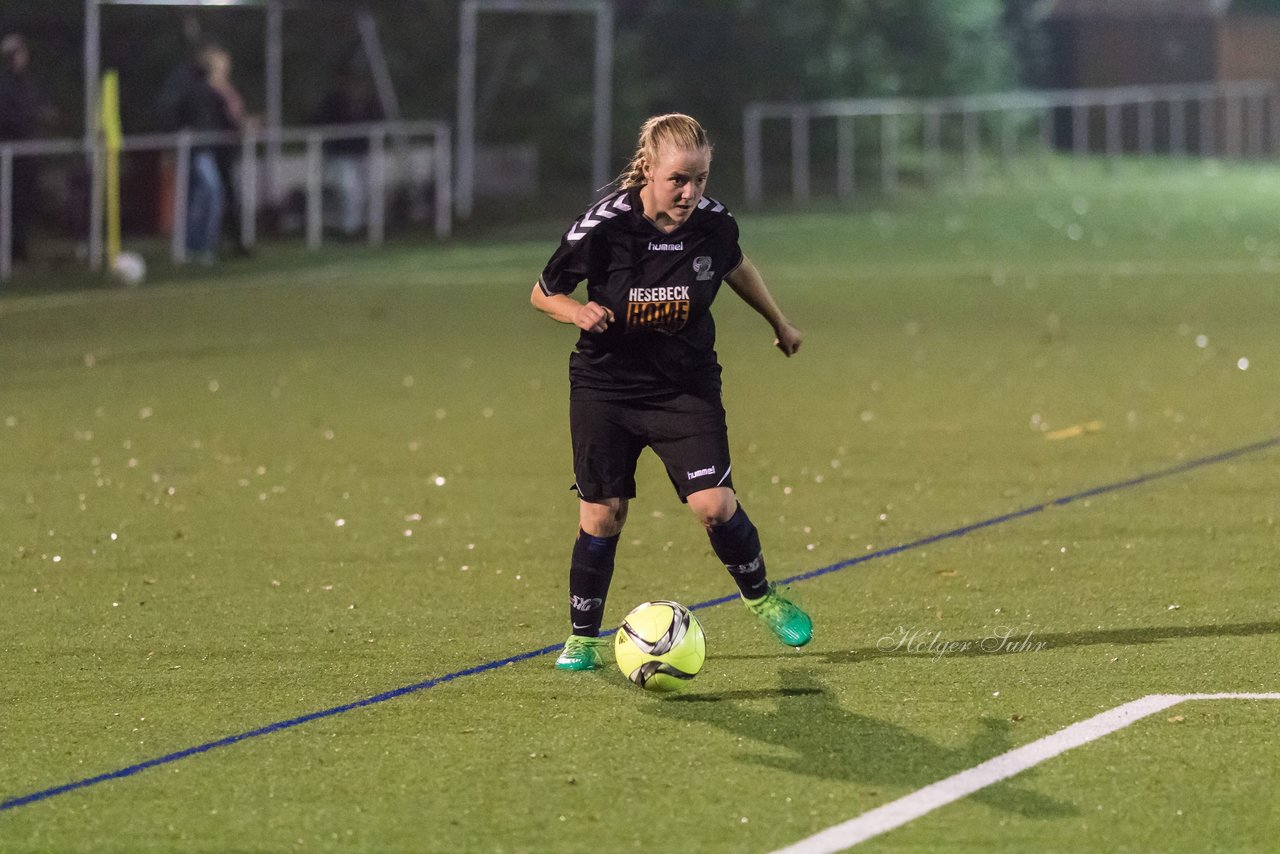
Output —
<point x="129" y="269"/>
<point x="660" y="645"/>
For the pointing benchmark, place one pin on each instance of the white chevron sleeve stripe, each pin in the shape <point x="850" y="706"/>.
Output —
<point x="594" y="216"/>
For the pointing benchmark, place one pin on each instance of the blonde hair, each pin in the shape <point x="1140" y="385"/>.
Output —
<point x="674" y="129"/>
<point x="214" y="62"/>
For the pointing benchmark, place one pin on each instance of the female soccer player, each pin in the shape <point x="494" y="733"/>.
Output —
<point x="645" y="373"/>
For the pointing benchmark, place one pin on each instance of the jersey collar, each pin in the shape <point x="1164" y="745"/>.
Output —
<point x="637" y="210"/>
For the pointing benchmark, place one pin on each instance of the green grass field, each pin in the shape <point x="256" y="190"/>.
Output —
<point x="231" y="501"/>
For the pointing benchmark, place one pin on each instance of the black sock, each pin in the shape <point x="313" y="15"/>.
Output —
<point x="589" y="575"/>
<point x="737" y="544"/>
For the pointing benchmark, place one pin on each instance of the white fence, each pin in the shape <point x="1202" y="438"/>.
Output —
<point x="1229" y="119"/>
<point x="271" y="167"/>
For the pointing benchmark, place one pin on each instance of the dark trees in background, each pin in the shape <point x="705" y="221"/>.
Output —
<point x="706" y="57"/>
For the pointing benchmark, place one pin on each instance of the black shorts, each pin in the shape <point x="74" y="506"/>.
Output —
<point x="687" y="433"/>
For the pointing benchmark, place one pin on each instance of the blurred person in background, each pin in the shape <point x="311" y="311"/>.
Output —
<point x="346" y="165"/>
<point x="216" y="64"/>
<point x="23" y="110"/>
<point x="645" y="373"/>
<point x="190" y="102"/>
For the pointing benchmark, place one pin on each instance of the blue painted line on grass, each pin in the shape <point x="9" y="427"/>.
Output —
<point x="270" y="728"/>
<point x="1039" y="508"/>
<point x="129" y="771"/>
<point x="955" y="533"/>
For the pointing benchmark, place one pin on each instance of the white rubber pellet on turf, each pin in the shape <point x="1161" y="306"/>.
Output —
<point x="910" y="807"/>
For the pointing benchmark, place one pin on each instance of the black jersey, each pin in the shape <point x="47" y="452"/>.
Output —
<point x="659" y="286"/>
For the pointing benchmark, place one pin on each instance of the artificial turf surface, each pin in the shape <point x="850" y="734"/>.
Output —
<point x="233" y="500"/>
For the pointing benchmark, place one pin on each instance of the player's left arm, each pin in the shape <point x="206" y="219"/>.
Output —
<point x="747" y="283"/>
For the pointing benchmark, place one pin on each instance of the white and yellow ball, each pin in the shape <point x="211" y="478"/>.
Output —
<point x="660" y="645"/>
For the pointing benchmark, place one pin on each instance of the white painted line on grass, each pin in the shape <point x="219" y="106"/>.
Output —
<point x="89" y="299"/>
<point x="909" y="807"/>
<point x="1006" y="270"/>
<point x="1011" y="271"/>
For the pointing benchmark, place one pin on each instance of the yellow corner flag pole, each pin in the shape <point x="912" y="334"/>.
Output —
<point x="113" y="137"/>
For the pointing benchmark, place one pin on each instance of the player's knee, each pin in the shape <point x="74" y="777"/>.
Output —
<point x="603" y="518"/>
<point x="713" y="506"/>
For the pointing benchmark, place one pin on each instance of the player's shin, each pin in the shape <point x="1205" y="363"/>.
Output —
<point x="590" y="572"/>
<point x="737" y="544"/>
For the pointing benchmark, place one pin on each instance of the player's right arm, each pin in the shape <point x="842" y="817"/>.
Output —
<point x="572" y="263"/>
<point x="591" y="317"/>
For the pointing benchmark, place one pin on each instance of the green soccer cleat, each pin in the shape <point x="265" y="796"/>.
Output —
<point x="784" y="618"/>
<point x="581" y="653"/>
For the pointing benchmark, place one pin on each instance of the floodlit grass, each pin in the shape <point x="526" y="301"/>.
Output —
<point x="229" y="501"/>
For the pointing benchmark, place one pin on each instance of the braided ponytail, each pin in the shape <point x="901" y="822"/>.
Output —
<point x="674" y="129"/>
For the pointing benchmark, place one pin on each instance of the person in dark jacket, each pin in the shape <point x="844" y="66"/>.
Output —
<point x="23" y="107"/>
<point x="346" y="168"/>
<point x="192" y="103"/>
<point x="216" y="63"/>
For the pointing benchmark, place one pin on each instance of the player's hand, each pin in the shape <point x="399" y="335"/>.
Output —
<point x="593" y="317"/>
<point x="789" y="338"/>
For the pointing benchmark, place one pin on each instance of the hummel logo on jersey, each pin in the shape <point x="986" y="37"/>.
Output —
<point x="607" y="209"/>
<point x="694" y="475"/>
<point x="667" y="247"/>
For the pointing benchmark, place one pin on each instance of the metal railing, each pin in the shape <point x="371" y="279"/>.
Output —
<point x="1227" y="119"/>
<point x="258" y="152"/>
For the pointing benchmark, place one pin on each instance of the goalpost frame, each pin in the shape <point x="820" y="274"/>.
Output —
<point x="468" y="26"/>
